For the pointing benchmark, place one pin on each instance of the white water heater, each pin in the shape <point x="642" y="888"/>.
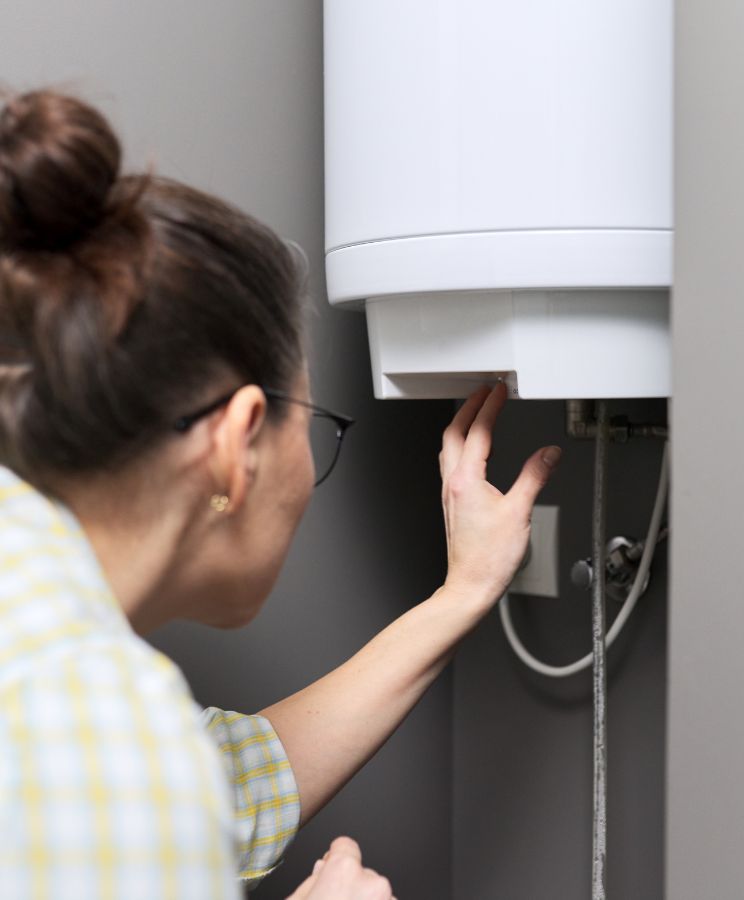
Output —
<point x="499" y="192"/>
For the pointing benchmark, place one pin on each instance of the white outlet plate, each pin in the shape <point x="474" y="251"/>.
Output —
<point x="540" y="575"/>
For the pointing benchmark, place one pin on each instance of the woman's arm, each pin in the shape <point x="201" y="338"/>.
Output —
<point x="331" y="728"/>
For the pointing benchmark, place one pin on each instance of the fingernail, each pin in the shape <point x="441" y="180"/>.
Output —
<point x="552" y="456"/>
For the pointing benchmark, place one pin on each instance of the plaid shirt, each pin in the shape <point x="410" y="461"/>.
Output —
<point x="111" y="786"/>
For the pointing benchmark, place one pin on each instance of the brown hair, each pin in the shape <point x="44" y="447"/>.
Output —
<point x="122" y="299"/>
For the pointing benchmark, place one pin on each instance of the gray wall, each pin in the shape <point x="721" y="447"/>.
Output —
<point x="706" y="722"/>
<point x="228" y="95"/>
<point x="522" y="742"/>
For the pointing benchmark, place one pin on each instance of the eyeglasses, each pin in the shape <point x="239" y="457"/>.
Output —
<point x="327" y="429"/>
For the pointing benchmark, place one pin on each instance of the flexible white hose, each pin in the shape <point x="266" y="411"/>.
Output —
<point x="622" y="617"/>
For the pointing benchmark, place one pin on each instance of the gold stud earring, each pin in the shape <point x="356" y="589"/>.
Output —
<point x="219" y="502"/>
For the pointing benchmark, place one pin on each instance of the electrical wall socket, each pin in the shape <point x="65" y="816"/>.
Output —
<point x="539" y="575"/>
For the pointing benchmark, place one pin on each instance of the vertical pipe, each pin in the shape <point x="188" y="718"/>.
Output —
<point x="599" y="820"/>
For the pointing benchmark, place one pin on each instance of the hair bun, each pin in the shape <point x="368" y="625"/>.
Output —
<point x="59" y="159"/>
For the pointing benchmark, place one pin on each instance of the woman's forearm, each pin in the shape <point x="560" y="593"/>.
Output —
<point x="331" y="728"/>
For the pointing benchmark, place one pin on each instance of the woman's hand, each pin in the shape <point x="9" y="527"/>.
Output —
<point x="487" y="531"/>
<point x="340" y="876"/>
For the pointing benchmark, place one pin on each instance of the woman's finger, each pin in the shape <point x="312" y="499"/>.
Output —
<point x="345" y="846"/>
<point x="534" y="476"/>
<point x="479" y="440"/>
<point x="463" y="418"/>
<point x="378" y="887"/>
<point x="453" y="439"/>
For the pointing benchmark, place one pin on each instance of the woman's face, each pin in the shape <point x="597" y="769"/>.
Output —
<point x="250" y="546"/>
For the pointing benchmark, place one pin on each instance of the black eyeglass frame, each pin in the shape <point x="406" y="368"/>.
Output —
<point x="343" y="423"/>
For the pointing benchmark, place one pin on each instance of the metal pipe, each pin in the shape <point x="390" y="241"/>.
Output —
<point x="599" y="818"/>
<point x="582" y="425"/>
<point x="650" y="431"/>
<point x="580" y="418"/>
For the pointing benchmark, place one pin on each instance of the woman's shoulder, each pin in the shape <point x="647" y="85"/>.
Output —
<point x="104" y="746"/>
<point x="112" y="679"/>
<point x="114" y="712"/>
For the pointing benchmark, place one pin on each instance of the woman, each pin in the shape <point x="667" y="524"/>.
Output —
<point x="154" y="414"/>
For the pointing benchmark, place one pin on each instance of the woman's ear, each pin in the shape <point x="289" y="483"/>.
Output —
<point x="236" y="456"/>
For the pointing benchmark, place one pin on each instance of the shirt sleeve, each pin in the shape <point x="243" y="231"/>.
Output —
<point x="267" y="802"/>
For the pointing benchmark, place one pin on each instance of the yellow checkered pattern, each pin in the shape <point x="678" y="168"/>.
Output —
<point x="111" y="787"/>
